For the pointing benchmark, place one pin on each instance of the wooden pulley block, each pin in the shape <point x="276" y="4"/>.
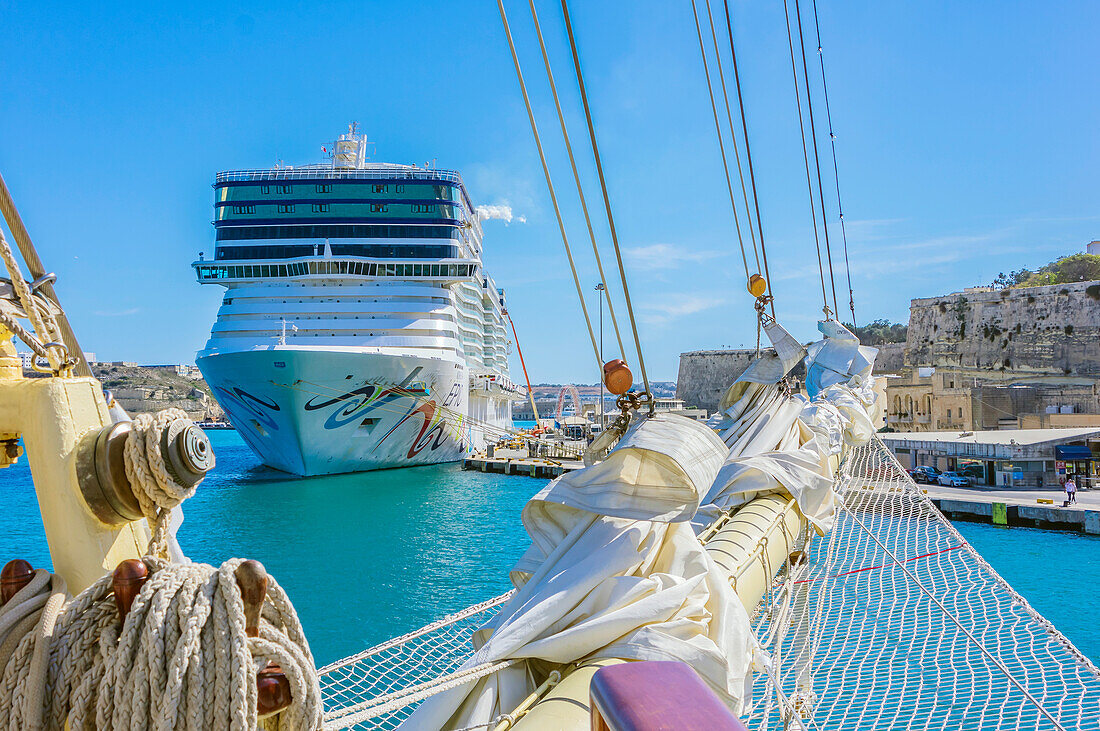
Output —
<point x="757" y="285"/>
<point x="617" y="377"/>
<point x="16" y="574"/>
<point x="126" y="582"/>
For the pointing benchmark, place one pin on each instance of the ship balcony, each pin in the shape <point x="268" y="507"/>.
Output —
<point x="446" y="271"/>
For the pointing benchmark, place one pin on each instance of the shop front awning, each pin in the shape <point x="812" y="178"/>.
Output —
<point x="1072" y="451"/>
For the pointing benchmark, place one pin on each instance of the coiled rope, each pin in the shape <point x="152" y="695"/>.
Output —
<point x="156" y="490"/>
<point x="182" y="659"/>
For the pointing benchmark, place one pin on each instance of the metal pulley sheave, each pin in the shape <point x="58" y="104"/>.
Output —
<point x="101" y="467"/>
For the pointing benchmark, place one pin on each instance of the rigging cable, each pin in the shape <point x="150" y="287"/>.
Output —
<point x="748" y="158"/>
<point x="836" y="172"/>
<point x="733" y="134"/>
<point x="606" y="199"/>
<point x="554" y="197"/>
<point x="806" y="159"/>
<point x="577" y="179"/>
<point x="721" y="144"/>
<point x="530" y="393"/>
<point x="817" y="157"/>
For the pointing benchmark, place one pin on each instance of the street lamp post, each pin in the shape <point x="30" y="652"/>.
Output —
<point x="599" y="303"/>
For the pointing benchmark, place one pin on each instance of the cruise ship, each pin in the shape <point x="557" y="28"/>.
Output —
<point x="358" y="330"/>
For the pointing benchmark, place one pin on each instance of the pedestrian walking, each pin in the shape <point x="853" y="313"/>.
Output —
<point x="1071" y="491"/>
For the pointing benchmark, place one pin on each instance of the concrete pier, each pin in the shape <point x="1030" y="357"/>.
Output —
<point x="542" y="468"/>
<point x="1030" y="508"/>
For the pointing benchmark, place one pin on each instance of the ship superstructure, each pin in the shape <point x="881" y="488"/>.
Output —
<point x="358" y="329"/>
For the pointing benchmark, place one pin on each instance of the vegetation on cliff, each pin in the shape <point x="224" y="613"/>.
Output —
<point x="878" y="332"/>
<point x="1072" y="268"/>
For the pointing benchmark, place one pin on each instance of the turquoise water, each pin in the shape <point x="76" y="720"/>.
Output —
<point x="369" y="556"/>
<point x="363" y="557"/>
<point x="1056" y="572"/>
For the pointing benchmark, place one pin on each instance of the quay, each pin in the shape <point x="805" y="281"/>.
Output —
<point x="544" y="468"/>
<point x="1013" y="507"/>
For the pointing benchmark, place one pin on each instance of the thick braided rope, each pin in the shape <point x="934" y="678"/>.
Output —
<point x="156" y="490"/>
<point x="181" y="660"/>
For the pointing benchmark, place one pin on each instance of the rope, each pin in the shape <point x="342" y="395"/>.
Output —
<point x="733" y="134"/>
<point x="748" y="158"/>
<point x="523" y="365"/>
<point x="806" y="160"/>
<point x="836" y="171"/>
<point x="817" y="157"/>
<point x="156" y="490"/>
<point x="606" y="199"/>
<point x="45" y="327"/>
<point x="577" y="179"/>
<point x="550" y="185"/>
<point x="721" y="144"/>
<point x="34" y="265"/>
<point x="12" y="324"/>
<point x="390" y="702"/>
<point x="951" y="616"/>
<point x="426" y="629"/>
<point x="182" y="658"/>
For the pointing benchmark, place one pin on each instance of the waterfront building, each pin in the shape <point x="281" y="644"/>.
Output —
<point x="1007" y="457"/>
<point x="358" y="328"/>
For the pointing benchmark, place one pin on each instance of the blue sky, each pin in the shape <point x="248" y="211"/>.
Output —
<point x="966" y="139"/>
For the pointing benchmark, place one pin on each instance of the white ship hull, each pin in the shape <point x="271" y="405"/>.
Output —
<point x="359" y="329"/>
<point x="316" y="412"/>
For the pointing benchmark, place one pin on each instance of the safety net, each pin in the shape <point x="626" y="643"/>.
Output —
<point x="892" y="621"/>
<point x="897" y="622"/>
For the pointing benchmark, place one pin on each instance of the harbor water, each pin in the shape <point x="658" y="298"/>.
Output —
<point x="369" y="556"/>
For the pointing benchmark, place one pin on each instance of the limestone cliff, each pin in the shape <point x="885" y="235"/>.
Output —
<point x="1051" y="331"/>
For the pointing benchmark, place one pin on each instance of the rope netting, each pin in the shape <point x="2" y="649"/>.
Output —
<point x="897" y="622"/>
<point x="379" y="687"/>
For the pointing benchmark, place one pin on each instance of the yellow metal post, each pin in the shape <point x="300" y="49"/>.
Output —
<point x="54" y="416"/>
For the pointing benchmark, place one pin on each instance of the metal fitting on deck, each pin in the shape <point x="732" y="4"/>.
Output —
<point x="101" y="467"/>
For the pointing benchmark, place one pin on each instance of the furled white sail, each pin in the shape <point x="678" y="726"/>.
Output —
<point x="615" y="571"/>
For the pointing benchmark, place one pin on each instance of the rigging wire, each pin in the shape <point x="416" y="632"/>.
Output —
<point x="817" y="157"/>
<point x="554" y="197"/>
<point x="748" y="157"/>
<point x="606" y="199"/>
<point x="721" y="144"/>
<point x="733" y="133"/>
<point x="530" y="393"/>
<point x="806" y="159"/>
<point x="836" y="172"/>
<point x="577" y="179"/>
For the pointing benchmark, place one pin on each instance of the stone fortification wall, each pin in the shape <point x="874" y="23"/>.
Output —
<point x="706" y="375"/>
<point x="890" y="358"/>
<point x="1037" y="331"/>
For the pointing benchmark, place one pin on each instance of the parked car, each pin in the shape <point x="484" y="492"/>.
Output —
<point x="924" y="474"/>
<point x="952" y="479"/>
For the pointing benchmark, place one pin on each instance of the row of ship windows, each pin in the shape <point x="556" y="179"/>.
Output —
<point x="337" y="231"/>
<point x="361" y="268"/>
<point x="373" y="251"/>
<point x="327" y="188"/>
<point x="247" y="210"/>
